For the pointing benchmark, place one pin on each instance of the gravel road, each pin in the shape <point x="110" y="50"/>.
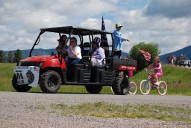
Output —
<point x="14" y="112"/>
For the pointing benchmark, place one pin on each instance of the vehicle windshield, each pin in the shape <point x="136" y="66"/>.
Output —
<point x="48" y="41"/>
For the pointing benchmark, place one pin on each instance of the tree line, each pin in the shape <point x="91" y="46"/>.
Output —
<point x="11" y="56"/>
<point x="152" y="48"/>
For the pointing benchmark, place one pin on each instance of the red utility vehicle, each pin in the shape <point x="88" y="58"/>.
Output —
<point x="50" y="72"/>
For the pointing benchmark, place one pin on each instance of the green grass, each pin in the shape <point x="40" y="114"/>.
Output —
<point x="74" y="89"/>
<point x="6" y="73"/>
<point x="177" y="78"/>
<point x="105" y="110"/>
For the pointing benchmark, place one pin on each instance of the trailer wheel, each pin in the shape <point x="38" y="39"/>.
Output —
<point x="19" y="88"/>
<point x="50" y="82"/>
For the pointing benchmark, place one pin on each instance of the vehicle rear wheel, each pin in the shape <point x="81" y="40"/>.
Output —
<point x="93" y="89"/>
<point x="120" y="86"/>
<point x="145" y="87"/>
<point x="50" y="82"/>
<point x="20" y="88"/>
<point x="162" y="88"/>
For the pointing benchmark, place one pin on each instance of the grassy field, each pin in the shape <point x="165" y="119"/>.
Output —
<point x="177" y="78"/>
<point x="6" y="73"/>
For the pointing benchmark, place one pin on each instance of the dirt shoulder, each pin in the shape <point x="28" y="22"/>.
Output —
<point x="15" y="111"/>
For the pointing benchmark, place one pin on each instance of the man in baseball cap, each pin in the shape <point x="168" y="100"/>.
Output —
<point x="62" y="38"/>
<point x="61" y="48"/>
<point x="118" y="39"/>
<point x="118" y="25"/>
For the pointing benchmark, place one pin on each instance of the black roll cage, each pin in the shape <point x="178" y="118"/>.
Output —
<point x="81" y="32"/>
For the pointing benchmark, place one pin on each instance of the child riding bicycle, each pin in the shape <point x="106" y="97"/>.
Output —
<point x="155" y="72"/>
<point x="156" y="67"/>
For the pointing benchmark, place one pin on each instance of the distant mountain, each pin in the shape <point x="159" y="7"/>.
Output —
<point x="36" y="52"/>
<point x="39" y="52"/>
<point x="185" y="51"/>
<point x="46" y="52"/>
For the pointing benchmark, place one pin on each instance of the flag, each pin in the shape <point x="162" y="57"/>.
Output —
<point x="103" y="36"/>
<point x="146" y="55"/>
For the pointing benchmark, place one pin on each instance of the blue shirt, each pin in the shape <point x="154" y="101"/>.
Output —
<point x="117" y="40"/>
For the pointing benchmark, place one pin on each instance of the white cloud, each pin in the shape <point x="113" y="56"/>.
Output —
<point x="96" y="23"/>
<point x="21" y="20"/>
<point x="169" y="34"/>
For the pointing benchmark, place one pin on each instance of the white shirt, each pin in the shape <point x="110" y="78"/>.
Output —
<point x="77" y="50"/>
<point x="98" y="57"/>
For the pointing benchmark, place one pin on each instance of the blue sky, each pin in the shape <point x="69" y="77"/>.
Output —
<point x="164" y="22"/>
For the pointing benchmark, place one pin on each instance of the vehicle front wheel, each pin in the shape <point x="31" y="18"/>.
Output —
<point x="50" y="81"/>
<point x="19" y="88"/>
<point x="93" y="89"/>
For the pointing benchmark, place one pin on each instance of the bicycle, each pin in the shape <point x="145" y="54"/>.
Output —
<point x="150" y="84"/>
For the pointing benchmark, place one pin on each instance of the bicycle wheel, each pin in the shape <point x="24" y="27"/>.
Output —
<point x="162" y="88"/>
<point x="145" y="87"/>
<point x="132" y="88"/>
